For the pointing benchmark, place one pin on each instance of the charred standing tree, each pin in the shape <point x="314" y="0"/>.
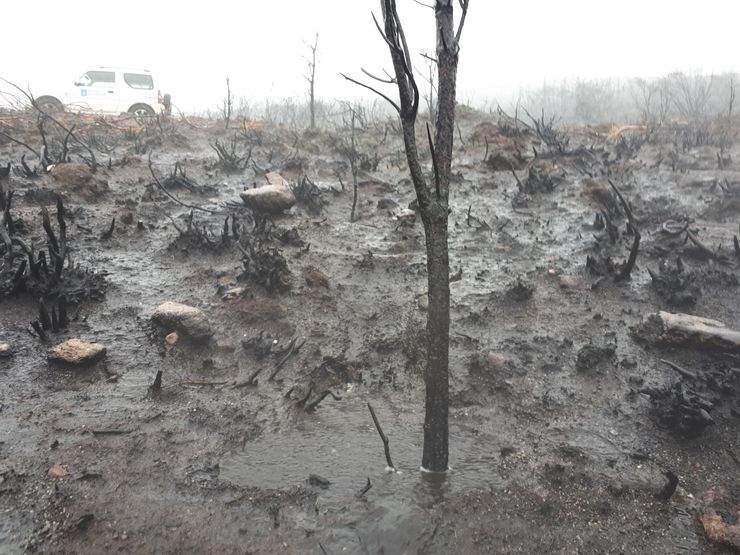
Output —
<point x="311" y="78"/>
<point x="433" y="200"/>
<point x="228" y="104"/>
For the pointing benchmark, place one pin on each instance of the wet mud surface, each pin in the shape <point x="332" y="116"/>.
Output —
<point x="566" y="427"/>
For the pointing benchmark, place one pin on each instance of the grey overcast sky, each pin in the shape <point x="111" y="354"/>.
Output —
<point x="506" y="45"/>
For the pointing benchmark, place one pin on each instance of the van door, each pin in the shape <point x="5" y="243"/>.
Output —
<point x="96" y="90"/>
<point x="137" y="88"/>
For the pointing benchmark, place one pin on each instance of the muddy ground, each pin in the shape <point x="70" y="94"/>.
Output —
<point x="565" y="425"/>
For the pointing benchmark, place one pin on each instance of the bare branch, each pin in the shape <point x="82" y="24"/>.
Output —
<point x="390" y="80"/>
<point x="464" y="8"/>
<point x="380" y="94"/>
<point x="21" y="143"/>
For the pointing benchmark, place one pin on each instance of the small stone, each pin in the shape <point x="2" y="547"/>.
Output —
<point x="488" y="362"/>
<point x="225" y="346"/>
<point x="495" y="360"/>
<point x="6" y="351"/>
<point x="316" y="278"/>
<point x="318" y="481"/>
<point x="520" y="290"/>
<point x="57" y="472"/>
<point x="127" y="217"/>
<point x="172" y="338"/>
<point x="387" y="204"/>
<point x="591" y="356"/>
<point x="234" y="293"/>
<point x="719" y="531"/>
<point x="406" y="217"/>
<point x="187" y="319"/>
<point x="75" y="351"/>
<point x="226" y="280"/>
<point x="568" y="282"/>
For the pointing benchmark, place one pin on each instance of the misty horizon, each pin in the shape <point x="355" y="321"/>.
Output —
<point x="506" y="53"/>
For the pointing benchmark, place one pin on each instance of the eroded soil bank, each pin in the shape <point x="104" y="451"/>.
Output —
<point x="566" y="426"/>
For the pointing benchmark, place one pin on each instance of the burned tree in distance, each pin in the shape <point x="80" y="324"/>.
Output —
<point x="433" y="199"/>
<point x="311" y="78"/>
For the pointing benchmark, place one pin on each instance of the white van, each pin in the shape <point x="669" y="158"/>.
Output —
<point x="110" y="90"/>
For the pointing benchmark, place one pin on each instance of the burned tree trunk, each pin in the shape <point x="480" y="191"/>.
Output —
<point x="433" y="203"/>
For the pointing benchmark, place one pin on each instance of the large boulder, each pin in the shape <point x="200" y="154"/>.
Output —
<point x="273" y="198"/>
<point x="189" y="320"/>
<point x="76" y="351"/>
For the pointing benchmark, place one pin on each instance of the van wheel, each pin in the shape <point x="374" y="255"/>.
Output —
<point x="49" y="104"/>
<point x="141" y="110"/>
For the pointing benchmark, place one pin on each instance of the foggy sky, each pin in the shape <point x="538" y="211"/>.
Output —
<point x="259" y="44"/>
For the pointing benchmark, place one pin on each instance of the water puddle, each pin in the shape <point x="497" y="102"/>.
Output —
<point x="341" y="445"/>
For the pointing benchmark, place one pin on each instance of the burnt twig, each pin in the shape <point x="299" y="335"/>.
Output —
<point x="386" y="445"/>
<point x="626" y="270"/>
<point x="312" y="406"/>
<point x="360" y="494"/>
<point x="685" y="373"/>
<point x="703" y="248"/>
<point x="39" y="330"/>
<point x="670" y="488"/>
<point x="292" y="348"/>
<point x="156" y="387"/>
<point x="109" y="232"/>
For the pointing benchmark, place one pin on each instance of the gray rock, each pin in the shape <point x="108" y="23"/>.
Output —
<point x="187" y="319"/>
<point x="274" y="198"/>
<point x="76" y="351"/>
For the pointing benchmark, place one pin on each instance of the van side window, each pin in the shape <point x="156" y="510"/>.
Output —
<point x="138" y="81"/>
<point x="102" y="77"/>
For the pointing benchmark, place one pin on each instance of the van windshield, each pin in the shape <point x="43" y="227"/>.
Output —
<point x="138" y="81"/>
